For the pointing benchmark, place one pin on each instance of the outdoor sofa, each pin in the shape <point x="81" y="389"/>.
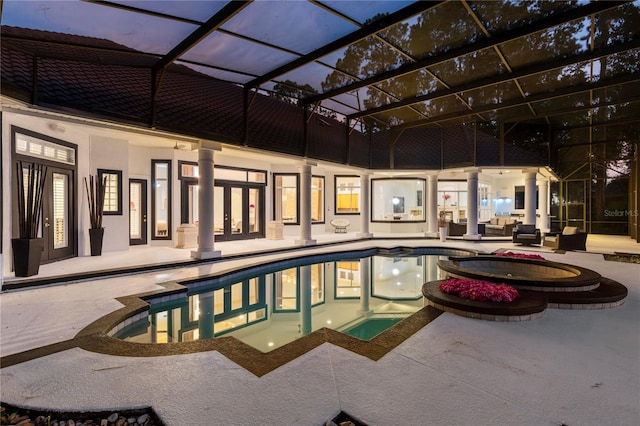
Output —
<point x="501" y="225"/>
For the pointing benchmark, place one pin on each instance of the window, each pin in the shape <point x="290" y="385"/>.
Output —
<point x="484" y="202"/>
<point x="452" y="200"/>
<point x="398" y="278"/>
<point x="394" y="200"/>
<point x="347" y="195"/>
<point x="112" y="191"/>
<point x="45" y="149"/>
<point x="317" y="199"/>
<point x="161" y="199"/>
<point x="286" y="206"/>
<point x="189" y="169"/>
<point x="519" y="197"/>
<point x="287" y="288"/>
<point x="228" y="308"/>
<point x="347" y="279"/>
<point x="317" y="284"/>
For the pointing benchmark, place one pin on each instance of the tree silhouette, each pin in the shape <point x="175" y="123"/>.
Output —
<point x="293" y="93"/>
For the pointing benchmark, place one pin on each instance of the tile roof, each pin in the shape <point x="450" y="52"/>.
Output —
<point x="103" y="79"/>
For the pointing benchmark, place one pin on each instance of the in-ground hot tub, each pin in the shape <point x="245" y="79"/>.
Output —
<point x="542" y="284"/>
<point x="526" y="274"/>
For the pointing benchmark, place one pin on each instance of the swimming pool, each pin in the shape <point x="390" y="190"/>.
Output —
<point x="272" y="305"/>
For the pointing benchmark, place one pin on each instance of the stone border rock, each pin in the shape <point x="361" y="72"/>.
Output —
<point x="12" y="415"/>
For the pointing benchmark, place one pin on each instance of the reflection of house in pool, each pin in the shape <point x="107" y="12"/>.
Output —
<point x="269" y="310"/>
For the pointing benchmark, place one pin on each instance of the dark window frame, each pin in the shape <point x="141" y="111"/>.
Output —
<point x="243" y="169"/>
<point x="371" y="200"/>
<point x="118" y="173"/>
<point x="153" y="200"/>
<point x="180" y="164"/>
<point x="275" y="176"/>
<point x="335" y="196"/>
<point x="323" y="283"/>
<point x="519" y="200"/>
<point x="335" y="281"/>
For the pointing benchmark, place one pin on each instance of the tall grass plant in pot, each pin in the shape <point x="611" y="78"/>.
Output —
<point x="27" y="248"/>
<point x="95" y="198"/>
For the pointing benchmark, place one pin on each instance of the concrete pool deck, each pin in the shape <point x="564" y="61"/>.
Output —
<point x="571" y="367"/>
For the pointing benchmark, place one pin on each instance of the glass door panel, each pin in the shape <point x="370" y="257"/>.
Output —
<point x="254" y="207"/>
<point x="57" y="222"/>
<point x="194" y="195"/>
<point x="238" y="207"/>
<point x="135" y="216"/>
<point x="137" y="212"/>
<point x="161" y="199"/>
<point x="219" y="217"/>
<point x="60" y="211"/>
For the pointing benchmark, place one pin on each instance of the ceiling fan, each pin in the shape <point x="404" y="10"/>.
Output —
<point x="178" y="146"/>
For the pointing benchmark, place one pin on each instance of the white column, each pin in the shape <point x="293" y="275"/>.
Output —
<point x="305" y="206"/>
<point x="530" y="197"/>
<point x="543" y="191"/>
<point x="365" y="285"/>
<point x="472" y="206"/>
<point x="365" y="206"/>
<point x="205" y="203"/>
<point x="205" y="321"/>
<point x="305" y="300"/>
<point x="431" y="203"/>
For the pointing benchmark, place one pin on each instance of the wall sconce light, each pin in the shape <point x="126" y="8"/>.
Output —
<point x="57" y="128"/>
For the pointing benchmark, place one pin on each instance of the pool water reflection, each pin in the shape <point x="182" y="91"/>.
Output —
<point x="361" y="297"/>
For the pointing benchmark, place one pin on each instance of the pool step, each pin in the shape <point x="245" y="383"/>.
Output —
<point x="530" y="305"/>
<point x="608" y="294"/>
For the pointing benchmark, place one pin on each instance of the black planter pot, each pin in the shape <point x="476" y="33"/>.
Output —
<point x="95" y="239"/>
<point x="27" y="253"/>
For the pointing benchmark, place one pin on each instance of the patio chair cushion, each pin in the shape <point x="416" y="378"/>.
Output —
<point x="570" y="230"/>
<point x="525" y="229"/>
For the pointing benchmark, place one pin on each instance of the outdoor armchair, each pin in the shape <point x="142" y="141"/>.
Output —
<point x="526" y="234"/>
<point x="571" y="238"/>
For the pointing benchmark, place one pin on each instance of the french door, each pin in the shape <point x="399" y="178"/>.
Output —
<point x="137" y="212"/>
<point x="57" y="226"/>
<point x="238" y="212"/>
<point x="238" y="209"/>
<point x="58" y="219"/>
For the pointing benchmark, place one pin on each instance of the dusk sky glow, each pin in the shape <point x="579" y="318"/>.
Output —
<point x="272" y="22"/>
